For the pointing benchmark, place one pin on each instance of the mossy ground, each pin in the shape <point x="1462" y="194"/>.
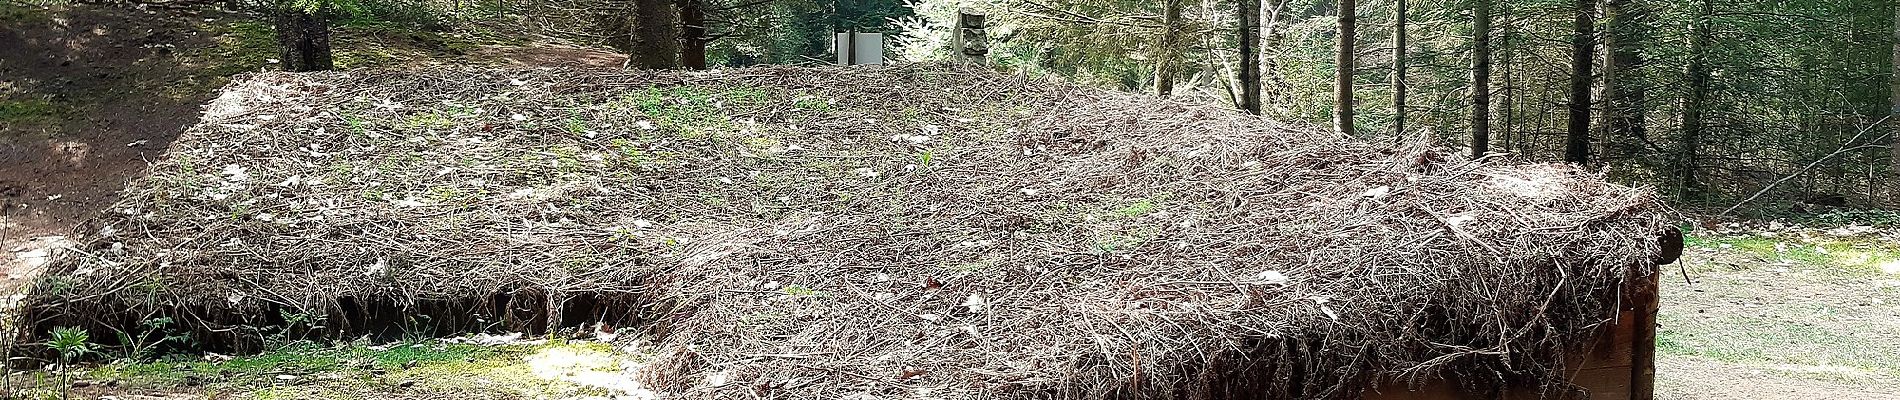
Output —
<point x="422" y="369"/>
<point x="29" y="111"/>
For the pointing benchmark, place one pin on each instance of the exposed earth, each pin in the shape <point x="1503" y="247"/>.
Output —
<point x="89" y="94"/>
<point x="86" y="98"/>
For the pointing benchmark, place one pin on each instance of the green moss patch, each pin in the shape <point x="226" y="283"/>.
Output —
<point x="29" y="111"/>
<point x="533" y="369"/>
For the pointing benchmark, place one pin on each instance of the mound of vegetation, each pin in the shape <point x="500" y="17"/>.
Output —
<point x="871" y="232"/>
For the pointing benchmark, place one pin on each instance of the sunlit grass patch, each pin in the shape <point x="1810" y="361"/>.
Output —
<point x="688" y="111"/>
<point x="1840" y="255"/>
<point x="299" y="360"/>
<point x="555" y="369"/>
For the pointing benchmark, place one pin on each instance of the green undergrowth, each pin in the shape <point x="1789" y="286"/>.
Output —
<point x="426" y="369"/>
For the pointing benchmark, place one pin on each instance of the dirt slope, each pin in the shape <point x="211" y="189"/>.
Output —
<point x="91" y="93"/>
<point x="87" y="96"/>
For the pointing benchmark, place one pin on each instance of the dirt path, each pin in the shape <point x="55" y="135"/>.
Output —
<point x="87" y="96"/>
<point x="1694" y="378"/>
<point x="1791" y="316"/>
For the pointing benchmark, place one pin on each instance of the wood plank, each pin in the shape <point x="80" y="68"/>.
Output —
<point x="1616" y="346"/>
<point x="1643" y="368"/>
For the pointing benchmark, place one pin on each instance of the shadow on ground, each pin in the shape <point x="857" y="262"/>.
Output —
<point x="89" y="94"/>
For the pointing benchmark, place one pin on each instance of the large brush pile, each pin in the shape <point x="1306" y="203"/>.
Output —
<point x="824" y="233"/>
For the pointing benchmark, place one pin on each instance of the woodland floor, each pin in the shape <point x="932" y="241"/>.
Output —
<point x="1782" y="314"/>
<point x="88" y="94"/>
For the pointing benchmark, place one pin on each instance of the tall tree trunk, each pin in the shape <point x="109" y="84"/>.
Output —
<point x="1249" y="59"/>
<point x="303" y="37"/>
<point x="656" y="35"/>
<point x="1583" y="56"/>
<point x="1622" y="88"/>
<point x="1893" y="182"/>
<point x="1342" y="113"/>
<point x="1480" y="77"/>
<point x="1688" y="150"/>
<point x="1170" y="43"/>
<point x="692" y="33"/>
<point x="1399" y="50"/>
<point x="1506" y="111"/>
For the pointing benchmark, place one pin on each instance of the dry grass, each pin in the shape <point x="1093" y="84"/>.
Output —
<point x="860" y="233"/>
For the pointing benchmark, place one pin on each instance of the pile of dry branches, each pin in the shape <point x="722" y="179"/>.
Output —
<point x="875" y="232"/>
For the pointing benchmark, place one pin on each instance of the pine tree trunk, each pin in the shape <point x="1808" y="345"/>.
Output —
<point x="692" y="33"/>
<point x="1692" y="106"/>
<point x="656" y="35"/>
<point x="1249" y="59"/>
<point x="1170" y="40"/>
<point x="303" y="38"/>
<point x="1399" y="51"/>
<point x="1621" y="87"/>
<point x="1480" y="77"/>
<point x="1583" y="56"/>
<point x="1342" y="113"/>
<point x="1506" y="112"/>
<point x="1893" y="182"/>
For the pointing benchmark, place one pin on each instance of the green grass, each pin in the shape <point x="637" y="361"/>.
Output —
<point x="246" y="43"/>
<point x="812" y="103"/>
<point x="385" y="44"/>
<point x="1833" y="255"/>
<point x="692" y="112"/>
<point x="21" y="12"/>
<point x="357" y="370"/>
<point x="299" y="359"/>
<point x="1136" y="209"/>
<point x="237" y="45"/>
<point x="29" y="111"/>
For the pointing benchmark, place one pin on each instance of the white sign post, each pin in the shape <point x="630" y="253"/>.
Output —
<point x="856" y="48"/>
